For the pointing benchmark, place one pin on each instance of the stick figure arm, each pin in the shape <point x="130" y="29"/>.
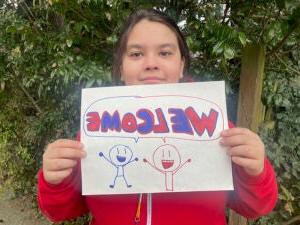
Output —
<point x="146" y="161"/>
<point x="133" y="160"/>
<point x="187" y="161"/>
<point x="102" y="155"/>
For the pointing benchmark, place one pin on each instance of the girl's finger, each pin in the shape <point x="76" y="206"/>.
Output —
<point x="60" y="164"/>
<point x="251" y="166"/>
<point x="66" y="143"/>
<point x="55" y="177"/>
<point x="245" y="162"/>
<point x="237" y="140"/>
<point x="66" y="153"/>
<point x="244" y="151"/>
<point x="239" y="131"/>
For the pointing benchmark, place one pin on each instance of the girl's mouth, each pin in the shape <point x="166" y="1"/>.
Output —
<point x="152" y="80"/>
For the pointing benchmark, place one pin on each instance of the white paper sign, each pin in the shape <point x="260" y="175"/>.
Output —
<point x="154" y="138"/>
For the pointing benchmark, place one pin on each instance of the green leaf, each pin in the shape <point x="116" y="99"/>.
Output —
<point x="218" y="48"/>
<point x="11" y="29"/>
<point x="69" y="42"/>
<point x="242" y="38"/>
<point x="229" y="53"/>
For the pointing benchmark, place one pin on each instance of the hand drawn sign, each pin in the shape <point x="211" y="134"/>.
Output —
<point x="141" y="142"/>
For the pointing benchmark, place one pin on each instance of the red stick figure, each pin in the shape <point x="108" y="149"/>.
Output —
<point x="167" y="160"/>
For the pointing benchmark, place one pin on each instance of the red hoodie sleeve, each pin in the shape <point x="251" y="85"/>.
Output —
<point x="253" y="196"/>
<point x="63" y="201"/>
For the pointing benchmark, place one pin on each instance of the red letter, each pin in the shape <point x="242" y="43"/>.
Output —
<point x="93" y="120"/>
<point x="129" y="123"/>
<point x="200" y="124"/>
<point x="162" y="126"/>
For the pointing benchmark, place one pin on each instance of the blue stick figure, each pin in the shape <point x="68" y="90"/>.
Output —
<point x="119" y="156"/>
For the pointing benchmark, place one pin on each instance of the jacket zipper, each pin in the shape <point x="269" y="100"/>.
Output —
<point x="137" y="218"/>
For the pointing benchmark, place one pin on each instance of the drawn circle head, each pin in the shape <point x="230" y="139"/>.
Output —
<point x="120" y="155"/>
<point x="166" y="158"/>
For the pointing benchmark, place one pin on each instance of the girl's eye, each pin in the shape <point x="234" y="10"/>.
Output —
<point x="165" y="53"/>
<point x="135" y="54"/>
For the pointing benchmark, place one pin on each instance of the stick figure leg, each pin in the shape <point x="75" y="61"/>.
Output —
<point x="128" y="185"/>
<point x="113" y="185"/>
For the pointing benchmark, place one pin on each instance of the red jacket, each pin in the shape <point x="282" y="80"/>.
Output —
<point x="252" y="197"/>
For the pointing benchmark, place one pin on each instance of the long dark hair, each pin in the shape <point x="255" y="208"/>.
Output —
<point x="154" y="16"/>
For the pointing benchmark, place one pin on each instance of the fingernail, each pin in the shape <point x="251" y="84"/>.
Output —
<point x="221" y="142"/>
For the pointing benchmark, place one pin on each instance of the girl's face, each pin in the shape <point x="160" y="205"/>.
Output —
<point x="152" y="55"/>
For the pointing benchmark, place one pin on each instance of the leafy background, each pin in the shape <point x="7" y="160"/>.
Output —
<point x="49" y="50"/>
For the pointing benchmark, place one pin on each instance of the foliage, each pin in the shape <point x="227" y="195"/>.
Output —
<point x="281" y="131"/>
<point x="50" y="50"/>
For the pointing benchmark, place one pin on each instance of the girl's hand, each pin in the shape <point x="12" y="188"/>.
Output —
<point x="245" y="148"/>
<point x="60" y="158"/>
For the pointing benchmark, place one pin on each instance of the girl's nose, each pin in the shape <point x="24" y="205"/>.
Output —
<point x="151" y="62"/>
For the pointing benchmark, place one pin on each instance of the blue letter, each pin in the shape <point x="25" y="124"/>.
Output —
<point x="147" y="116"/>
<point x="180" y="122"/>
<point x="110" y="122"/>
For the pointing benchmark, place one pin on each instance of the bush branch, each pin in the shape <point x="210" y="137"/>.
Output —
<point x="31" y="99"/>
<point x="293" y="220"/>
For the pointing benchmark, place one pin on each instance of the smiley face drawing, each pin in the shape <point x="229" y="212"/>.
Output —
<point x="167" y="160"/>
<point x="119" y="157"/>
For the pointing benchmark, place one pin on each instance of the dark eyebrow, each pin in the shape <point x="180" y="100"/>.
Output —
<point x="168" y="45"/>
<point x="137" y="46"/>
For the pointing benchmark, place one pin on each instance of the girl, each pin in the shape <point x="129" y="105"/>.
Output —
<point x="152" y="50"/>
